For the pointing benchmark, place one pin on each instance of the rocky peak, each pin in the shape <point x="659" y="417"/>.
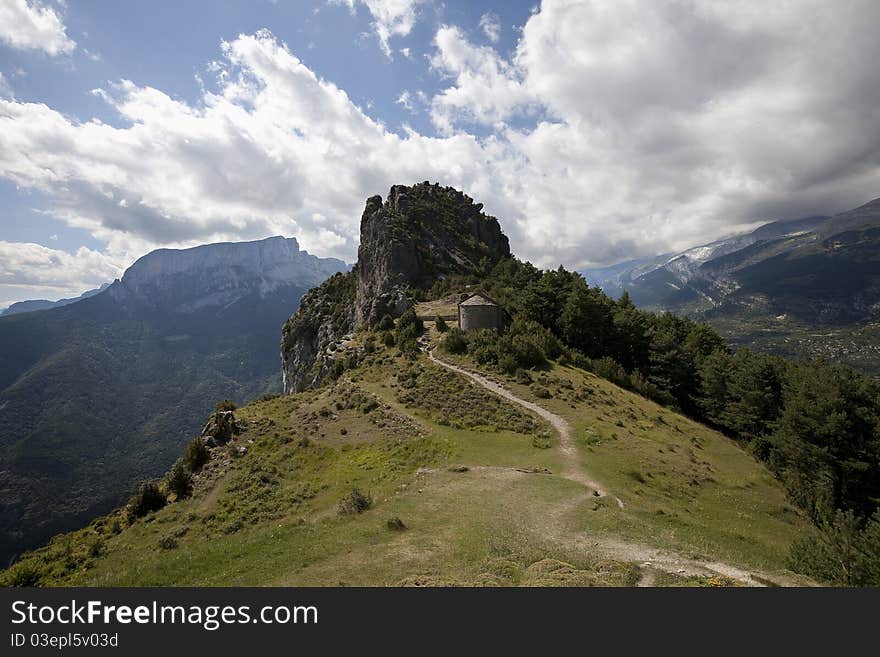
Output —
<point x="418" y="235"/>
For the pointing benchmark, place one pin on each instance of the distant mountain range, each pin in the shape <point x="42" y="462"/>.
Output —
<point x="98" y="394"/>
<point x="816" y="270"/>
<point x="44" y="304"/>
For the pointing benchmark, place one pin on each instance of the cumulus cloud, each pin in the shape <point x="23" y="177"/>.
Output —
<point x="30" y="25"/>
<point x="264" y="153"/>
<point x="667" y="123"/>
<point x="491" y="26"/>
<point x="391" y="18"/>
<point x="485" y="89"/>
<point x="29" y="271"/>
<point x="615" y="130"/>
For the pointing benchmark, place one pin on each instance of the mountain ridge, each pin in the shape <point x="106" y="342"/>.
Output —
<point x="32" y="305"/>
<point x="99" y="394"/>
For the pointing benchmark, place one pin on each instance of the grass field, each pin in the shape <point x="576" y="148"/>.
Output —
<point x="474" y="480"/>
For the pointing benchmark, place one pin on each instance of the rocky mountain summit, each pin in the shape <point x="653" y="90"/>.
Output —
<point x="417" y="236"/>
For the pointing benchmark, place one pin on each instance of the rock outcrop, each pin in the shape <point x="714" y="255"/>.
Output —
<point x="418" y="235"/>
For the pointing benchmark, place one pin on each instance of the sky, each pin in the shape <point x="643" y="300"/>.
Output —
<point x="595" y="130"/>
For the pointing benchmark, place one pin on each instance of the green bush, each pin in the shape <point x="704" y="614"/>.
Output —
<point x="96" y="547"/>
<point x="149" y="498"/>
<point x="386" y="323"/>
<point x="540" y="391"/>
<point x="409" y="328"/>
<point x="168" y="543"/>
<point x="179" y="481"/>
<point x="22" y="575"/>
<point x="455" y="342"/>
<point x="355" y="502"/>
<point x="508" y="364"/>
<point x="197" y="454"/>
<point x="541" y="442"/>
<point x="522" y="376"/>
<point x="226" y="405"/>
<point x="388" y="339"/>
<point x="846" y="551"/>
<point x="441" y="325"/>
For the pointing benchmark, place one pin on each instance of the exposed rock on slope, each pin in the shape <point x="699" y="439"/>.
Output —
<point x="419" y="235"/>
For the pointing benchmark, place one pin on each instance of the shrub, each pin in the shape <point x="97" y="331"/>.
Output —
<point x="96" y="548"/>
<point x="386" y="323"/>
<point x="483" y="346"/>
<point x="455" y="342"/>
<point x="196" y="455"/>
<point x="441" y="325"/>
<point x="149" y="498"/>
<point x="388" y="339"/>
<point x="541" y="442"/>
<point x="355" y="502"/>
<point x="527" y="351"/>
<point x="540" y="391"/>
<point x="523" y="376"/>
<point x="508" y="364"/>
<point x="168" y="543"/>
<point x="845" y="552"/>
<point x="395" y="524"/>
<point x="409" y="325"/>
<point x="24" y="575"/>
<point x="178" y="481"/>
<point x="226" y="405"/>
<point x="409" y="328"/>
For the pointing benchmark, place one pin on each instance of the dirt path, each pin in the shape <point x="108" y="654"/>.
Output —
<point x="572" y="469"/>
<point x="651" y="559"/>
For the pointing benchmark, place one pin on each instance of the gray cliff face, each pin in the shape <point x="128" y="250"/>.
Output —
<point x="218" y="274"/>
<point x="418" y="235"/>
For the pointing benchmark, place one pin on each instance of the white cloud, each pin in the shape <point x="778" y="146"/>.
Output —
<point x="32" y="271"/>
<point x="668" y="123"/>
<point x="391" y="18"/>
<point x="603" y="137"/>
<point x="491" y="26"/>
<point x="270" y="147"/>
<point x="486" y="89"/>
<point x="405" y="101"/>
<point x="29" y="25"/>
<point x="5" y="88"/>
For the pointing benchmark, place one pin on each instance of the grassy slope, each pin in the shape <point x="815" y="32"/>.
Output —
<point x="269" y="517"/>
